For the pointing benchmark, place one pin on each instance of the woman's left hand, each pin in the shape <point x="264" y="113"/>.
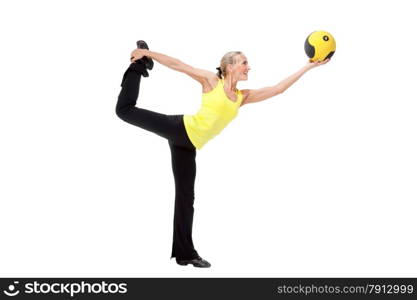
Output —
<point x="137" y="54"/>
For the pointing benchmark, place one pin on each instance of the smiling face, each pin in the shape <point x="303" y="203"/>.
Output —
<point x="239" y="69"/>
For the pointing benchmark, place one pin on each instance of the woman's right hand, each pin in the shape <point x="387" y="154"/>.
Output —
<point x="137" y="54"/>
<point x="313" y="64"/>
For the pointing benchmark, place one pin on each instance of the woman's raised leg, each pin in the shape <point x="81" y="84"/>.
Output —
<point x="163" y="125"/>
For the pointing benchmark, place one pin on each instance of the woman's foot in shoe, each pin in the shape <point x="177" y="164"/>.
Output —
<point x="146" y="60"/>
<point x="197" y="262"/>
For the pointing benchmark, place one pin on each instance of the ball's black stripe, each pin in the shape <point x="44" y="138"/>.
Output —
<point x="329" y="55"/>
<point x="309" y="49"/>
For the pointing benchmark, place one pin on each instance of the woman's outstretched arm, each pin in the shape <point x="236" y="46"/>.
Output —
<point x="251" y="96"/>
<point x="200" y="75"/>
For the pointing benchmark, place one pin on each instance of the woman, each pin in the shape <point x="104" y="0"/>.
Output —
<point x="186" y="133"/>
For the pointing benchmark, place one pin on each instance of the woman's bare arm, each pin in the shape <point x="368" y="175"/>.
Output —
<point x="251" y="96"/>
<point x="200" y="75"/>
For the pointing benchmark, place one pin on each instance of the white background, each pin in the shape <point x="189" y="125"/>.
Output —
<point x="318" y="181"/>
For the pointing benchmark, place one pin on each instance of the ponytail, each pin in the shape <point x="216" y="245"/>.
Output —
<point x="219" y="72"/>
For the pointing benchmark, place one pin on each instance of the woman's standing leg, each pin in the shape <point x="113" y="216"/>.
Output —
<point x="184" y="169"/>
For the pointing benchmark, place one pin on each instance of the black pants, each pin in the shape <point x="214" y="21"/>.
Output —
<point x="183" y="155"/>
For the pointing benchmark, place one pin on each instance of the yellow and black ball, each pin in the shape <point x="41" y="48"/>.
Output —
<point x="320" y="45"/>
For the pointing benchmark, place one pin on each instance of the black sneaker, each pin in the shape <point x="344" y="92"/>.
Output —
<point x="196" y="262"/>
<point x="146" y="60"/>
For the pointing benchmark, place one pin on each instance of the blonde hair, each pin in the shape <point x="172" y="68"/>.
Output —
<point x="227" y="59"/>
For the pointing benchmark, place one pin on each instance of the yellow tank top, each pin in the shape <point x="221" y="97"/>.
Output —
<point x="216" y="111"/>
